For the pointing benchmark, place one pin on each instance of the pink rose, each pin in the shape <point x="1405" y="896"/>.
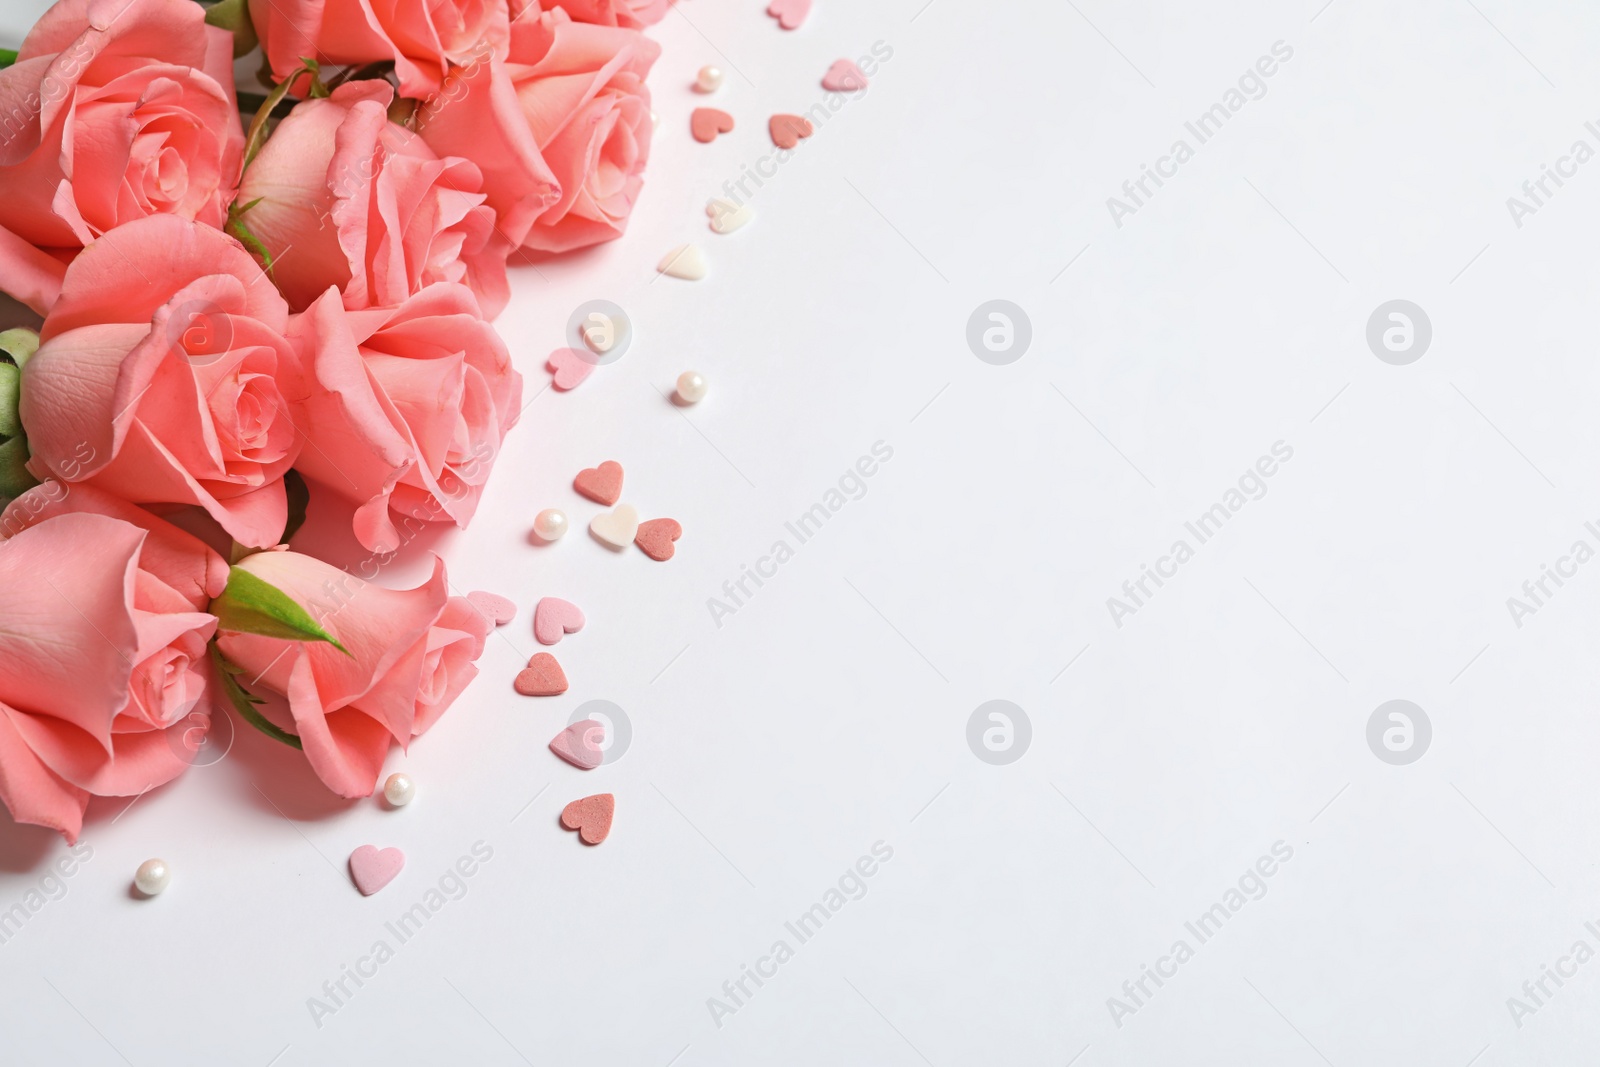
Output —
<point x="341" y="196"/>
<point x="412" y="652"/>
<point x="632" y="14"/>
<point x="114" y="110"/>
<point x="163" y="376"/>
<point x="422" y="38"/>
<point x="104" y="650"/>
<point x="408" y="407"/>
<point x="569" y="94"/>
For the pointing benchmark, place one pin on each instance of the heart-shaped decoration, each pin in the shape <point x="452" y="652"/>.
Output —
<point x="789" y="13"/>
<point x="372" y="868"/>
<point x="579" y="744"/>
<point x="492" y="606"/>
<point x="788" y="130"/>
<point x="685" y="261"/>
<point x="616" y="528"/>
<point x="656" y="537"/>
<point x="706" y="122"/>
<point x="554" y="617"/>
<point x="542" y="677"/>
<point x="844" y="77"/>
<point x="602" y="484"/>
<point x="726" y="216"/>
<point x="591" y="817"/>
<point x="569" y="367"/>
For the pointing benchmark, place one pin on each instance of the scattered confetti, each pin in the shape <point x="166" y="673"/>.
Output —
<point x="789" y="13"/>
<point x="788" y="130"/>
<point x="542" y="677"/>
<point x="591" y="817"/>
<point x="569" y="368"/>
<point x="706" y="122"/>
<point x="492" y="606"/>
<point x="844" y="77"/>
<point x="602" y="484"/>
<point x="656" y="536"/>
<point x="579" y="744"/>
<point x="616" y="528"/>
<point x="685" y="261"/>
<point x="726" y="216"/>
<point x="372" y="868"/>
<point x="554" y="617"/>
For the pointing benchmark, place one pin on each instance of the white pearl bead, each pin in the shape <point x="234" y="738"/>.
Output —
<point x="152" y="877"/>
<point x="398" y="789"/>
<point x="708" y="80"/>
<point x="550" y="524"/>
<point x="691" y="387"/>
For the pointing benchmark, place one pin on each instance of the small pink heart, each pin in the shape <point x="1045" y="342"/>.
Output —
<point x="787" y="130"/>
<point x="569" y="368"/>
<point x="554" y="617"/>
<point x="844" y="77"/>
<point x="373" y="868"/>
<point x="706" y="122"/>
<point x="579" y="744"/>
<point x="492" y="606"/>
<point x="542" y="677"/>
<point x="789" y="13"/>
<point x="591" y="817"/>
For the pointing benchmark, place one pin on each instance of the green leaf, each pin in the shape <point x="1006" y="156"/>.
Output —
<point x="14" y="477"/>
<point x="19" y="344"/>
<point x="8" y="56"/>
<point x="299" y="498"/>
<point x="244" y="703"/>
<point x="249" y="605"/>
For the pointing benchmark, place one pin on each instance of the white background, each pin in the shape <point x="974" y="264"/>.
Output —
<point x="830" y="712"/>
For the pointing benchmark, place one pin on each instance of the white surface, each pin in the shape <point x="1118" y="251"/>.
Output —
<point x="769" y="754"/>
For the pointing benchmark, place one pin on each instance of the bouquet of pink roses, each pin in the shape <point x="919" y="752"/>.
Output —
<point x="226" y="309"/>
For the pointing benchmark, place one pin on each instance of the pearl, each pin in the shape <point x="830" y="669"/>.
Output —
<point x="398" y="789"/>
<point x="152" y="877"/>
<point x="708" y="80"/>
<point x="691" y="387"/>
<point x="550" y="524"/>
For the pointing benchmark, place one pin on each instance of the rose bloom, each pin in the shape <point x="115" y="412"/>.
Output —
<point x="569" y="94"/>
<point x="412" y="652"/>
<point x="407" y="409"/>
<point x="422" y="37"/>
<point x="114" y="110"/>
<point x="339" y="195"/>
<point x="163" y="376"/>
<point x="104" y="651"/>
<point x="632" y="14"/>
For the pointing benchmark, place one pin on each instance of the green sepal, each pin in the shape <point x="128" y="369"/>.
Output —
<point x="249" y="605"/>
<point x="244" y="703"/>
<point x="19" y="344"/>
<point x="234" y="16"/>
<point x="14" y="477"/>
<point x="10" y="392"/>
